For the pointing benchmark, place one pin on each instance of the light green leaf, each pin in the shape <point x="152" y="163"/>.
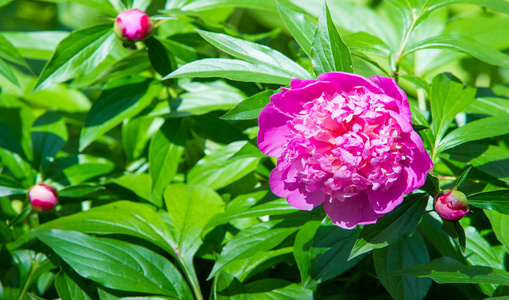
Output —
<point x="256" y="54"/>
<point x="62" y="97"/>
<point x="300" y="28"/>
<point x="475" y="130"/>
<point x="250" y="108"/>
<point x="35" y="44"/>
<point x="216" y="170"/>
<point x="201" y="5"/>
<point x="329" y="53"/>
<point x="116" y="264"/>
<point x="500" y="224"/>
<point x="136" y="133"/>
<point x="271" y="288"/>
<point x="137" y="183"/>
<point x="406" y="253"/>
<point x="232" y="69"/>
<point x="165" y="151"/>
<point x="10" y="53"/>
<point x="78" y="54"/>
<point x="6" y="71"/>
<point x="394" y="226"/>
<point x="115" y="105"/>
<point x="458" y="43"/>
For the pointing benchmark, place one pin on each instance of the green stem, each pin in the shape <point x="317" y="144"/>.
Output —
<point x="29" y="279"/>
<point x="191" y="276"/>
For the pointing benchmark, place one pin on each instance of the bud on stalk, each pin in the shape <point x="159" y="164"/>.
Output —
<point x="132" y="25"/>
<point x="452" y="205"/>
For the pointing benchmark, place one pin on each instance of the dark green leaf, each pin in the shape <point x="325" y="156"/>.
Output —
<point x="250" y="108"/>
<point x="406" y="253"/>
<point x="448" y="270"/>
<point x="329" y="53"/>
<point x="115" y="105"/>
<point x="394" y="226"/>
<point x="456" y="232"/>
<point x="67" y="289"/>
<point x="161" y="58"/>
<point x="49" y="134"/>
<point x="493" y="200"/>
<point x="321" y="251"/>
<point x="79" y="191"/>
<point x="136" y="133"/>
<point x="78" y="54"/>
<point x="432" y="185"/>
<point x="116" y="264"/>
<point x="9" y="187"/>
<point x="165" y="151"/>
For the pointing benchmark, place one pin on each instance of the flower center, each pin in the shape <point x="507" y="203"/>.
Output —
<point x="343" y="144"/>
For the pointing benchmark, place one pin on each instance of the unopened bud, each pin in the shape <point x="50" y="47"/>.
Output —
<point x="43" y="197"/>
<point x="452" y="205"/>
<point x="132" y="25"/>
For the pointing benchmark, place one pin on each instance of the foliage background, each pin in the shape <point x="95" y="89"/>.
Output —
<point x="163" y="196"/>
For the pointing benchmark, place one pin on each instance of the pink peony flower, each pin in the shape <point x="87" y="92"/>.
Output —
<point x="43" y="197"/>
<point x="344" y="141"/>
<point x="132" y="25"/>
<point x="452" y="205"/>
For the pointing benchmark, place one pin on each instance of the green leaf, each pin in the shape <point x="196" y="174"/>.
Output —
<point x="82" y="168"/>
<point x="79" y="191"/>
<point x="201" y="5"/>
<point x="300" y="28"/>
<point x="394" y="226"/>
<point x="492" y="200"/>
<point x="329" y="53"/>
<point x="448" y="98"/>
<point x="475" y="130"/>
<point x="432" y="229"/>
<point x="458" y="43"/>
<point x="406" y="253"/>
<point x="136" y="133"/>
<point x="49" y="134"/>
<point x="257" y="238"/>
<point x="10" y="53"/>
<point x="115" y="105"/>
<point x="365" y="42"/>
<point x="272" y="288"/>
<point x="216" y="170"/>
<point x="432" y="185"/>
<point x="6" y="71"/>
<point x="165" y="151"/>
<point x="500" y="224"/>
<point x="101" y="5"/>
<point x="321" y="251"/>
<point x="78" y="54"/>
<point x="141" y="4"/>
<point x="9" y="186"/>
<point x="162" y="60"/>
<point x="116" y="264"/>
<point x="250" y="108"/>
<point x="232" y="69"/>
<point x="255" y="54"/>
<point x="456" y="232"/>
<point x="448" y="270"/>
<point x="63" y="99"/>
<point x="462" y="177"/>
<point x="67" y="288"/>
<point x="35" y="44"/>
<point x="248" y="206"/>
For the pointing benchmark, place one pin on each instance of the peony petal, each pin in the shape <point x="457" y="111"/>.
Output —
<point x="304" y="200"/>
<point x="290" y="102"/>
<point x="351" y="212"/>
<point x="391" y="88"/>
<point x="348" y="81"/>
<point x="420" y="165"/>
<point x="384" y="202"/>
<point x="273" y="131"/>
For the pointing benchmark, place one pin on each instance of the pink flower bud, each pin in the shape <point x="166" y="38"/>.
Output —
<point x="43" y="197"/>
<point x="133" y="25"/>
<point x="452" y="205"/>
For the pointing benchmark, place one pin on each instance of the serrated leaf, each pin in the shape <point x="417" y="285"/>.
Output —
<point x="77" y="54"/>
<point x="329" y="53"/>
<point x="249" y="108"/>
<point x="255" y="54"/>
<point x="300" y="28"/>
<point x="448" y="270"/>
<point x="115" y="105"/>
<point x="406" y="253"/>
<point x="232" y="69"/>
<point x="116" y="264"/>
<point x="394" y="226"/>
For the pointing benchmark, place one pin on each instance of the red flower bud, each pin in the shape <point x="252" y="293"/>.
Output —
<point x="452" y="205"/>
<point x="132" y="25"/>
<point x="43" y="197"/>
